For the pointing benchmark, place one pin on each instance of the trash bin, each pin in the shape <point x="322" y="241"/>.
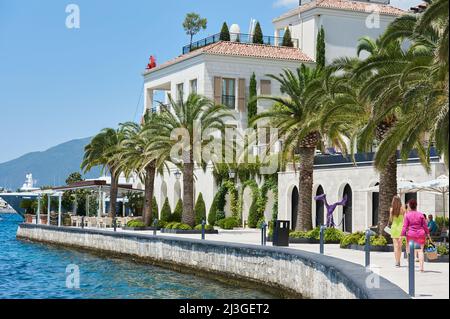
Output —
<point x="281" y="233"/>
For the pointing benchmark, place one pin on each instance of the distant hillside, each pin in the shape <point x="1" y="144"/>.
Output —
<point x="50" y="167"/>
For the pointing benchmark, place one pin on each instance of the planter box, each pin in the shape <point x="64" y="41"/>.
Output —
<point x="139" y="228"/>
<point x="304" y="241"/>
<point x="188" y="232"/>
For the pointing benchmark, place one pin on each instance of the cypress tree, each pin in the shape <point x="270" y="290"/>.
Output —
<point x="258" y="37"/>
<point x="252" y="104"/>
<point x="320" y="51"/>
<point x="287" y="39"/>
<point x="178" y="212"/>
<point x="200" y="210"/>
<point x="225" y="33"/>
<point x="166" y="212"/>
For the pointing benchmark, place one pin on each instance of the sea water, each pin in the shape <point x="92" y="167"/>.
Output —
<point x="37" y="271"/>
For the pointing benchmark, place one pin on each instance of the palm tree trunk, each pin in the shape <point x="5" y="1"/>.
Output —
<point x="188" y="192"/>
<point x="149" y="190"/>
<point x="388" y="189"/>
<point x="113" y="195"/>
<point x="304" y="216"/>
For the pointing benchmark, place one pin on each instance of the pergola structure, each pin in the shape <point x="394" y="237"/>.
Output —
<point x="100" y="186"/>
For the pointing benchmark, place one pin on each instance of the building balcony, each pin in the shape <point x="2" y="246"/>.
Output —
<point x="236" y="37"/>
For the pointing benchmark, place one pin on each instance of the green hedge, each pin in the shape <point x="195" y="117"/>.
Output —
<point x="135" y="224"/>
<point x="178" y="226"/>
<point x="207" y="227"/>
<point x="228" y="223"/>
<point x="155" y="209"/>
<point x="200" y="210"/>
<point x="166" y="212"/>
<point x="376" y="241"/>
<point x="351" y="239"/>
<point x="330" y="234"/>
<point x="177" y="213"/>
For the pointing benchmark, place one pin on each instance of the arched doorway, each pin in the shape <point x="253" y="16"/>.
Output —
<point x="410" y="196"/>
<point x="375" y="206"/>
<point x="294" y="212"/>
<point x="347" y="211"/>
<point x="320" y="208"/>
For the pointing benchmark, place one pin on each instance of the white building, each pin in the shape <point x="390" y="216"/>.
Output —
<point x="222" y="70"/>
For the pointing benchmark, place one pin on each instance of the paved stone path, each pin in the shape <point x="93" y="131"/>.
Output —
<point x="433" y="284"/>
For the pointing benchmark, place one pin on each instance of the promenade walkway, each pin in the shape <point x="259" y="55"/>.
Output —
<point x="433" y="284"/>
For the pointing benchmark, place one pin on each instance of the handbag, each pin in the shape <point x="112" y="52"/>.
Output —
<point x="388" y="230"/>
<point x="431" y="252"/>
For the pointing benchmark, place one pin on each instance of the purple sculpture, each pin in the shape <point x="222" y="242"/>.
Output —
<point x="331" y="208"/>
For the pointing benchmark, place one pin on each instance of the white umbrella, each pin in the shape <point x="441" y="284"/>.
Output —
<point x="403" y="187"/>
<point x="438" y="186"/>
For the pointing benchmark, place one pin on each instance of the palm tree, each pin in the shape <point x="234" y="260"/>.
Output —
<point x="296" y="116"/>
<point x="137" y="158"/>
<point x="191" y="118"/>
<point x="423" y="82"/>
<point x="103" y="150"/>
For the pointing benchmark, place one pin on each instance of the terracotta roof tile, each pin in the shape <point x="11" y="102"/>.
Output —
<point x="241" y="50"/>
<point x="347" y="5"/>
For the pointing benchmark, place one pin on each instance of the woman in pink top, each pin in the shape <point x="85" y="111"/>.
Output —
<point x="415" y="229"/>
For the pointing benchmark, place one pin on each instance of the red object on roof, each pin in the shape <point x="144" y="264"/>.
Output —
<point x="152" y="63"/>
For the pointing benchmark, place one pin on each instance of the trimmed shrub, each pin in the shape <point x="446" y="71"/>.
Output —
<point x="162" y="224"/>
<point x="207" y="227"/>
<point x="351" y="239"/>
<point x="212" y="216"/>
<point x="314" y="234"/>
<point x="228" y="223"/>
<point x="442" y="250"/>
<point x="166" y="212"/>
<point x="178" y="226"/>
<point x="258" y="37"/>
<point x="287" y="39"/>
<point x="177" y="213"/>
<point x="225" y="33"/>
<point x="135" y="224"/>
<point x="441" y="222"/>
<point x="220" y="216"/>
<point x="253" y="215"/>
<point x="376" y="241"/>
<point x="333" y="235"/>
<point x="298" y="234"/>
<point x="200" y="210"/>
<point x="252" y="103"/>
<point x="321" y="49"/>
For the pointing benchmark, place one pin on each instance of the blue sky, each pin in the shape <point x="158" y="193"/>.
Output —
<point x="58" y="84"/>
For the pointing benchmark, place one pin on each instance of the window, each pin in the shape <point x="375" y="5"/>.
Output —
<point x="180" y="92"/>
<point x="193" y="84"/>
<point x="266" y="87"/>
<point x="229" y="93"/>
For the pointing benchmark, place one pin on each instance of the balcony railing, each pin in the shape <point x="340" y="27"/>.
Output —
<point x="229" y="101"/>
<point x="236" y="37"/>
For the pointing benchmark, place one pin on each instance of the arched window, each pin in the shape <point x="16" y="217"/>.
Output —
<point x="348" y="218"/>
<point x="320" y="208"/>
<point x="294" y="212"/>
<point x="375" y="206"/>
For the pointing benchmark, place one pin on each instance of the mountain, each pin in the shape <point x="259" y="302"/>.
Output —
<point x="50" y="167"/>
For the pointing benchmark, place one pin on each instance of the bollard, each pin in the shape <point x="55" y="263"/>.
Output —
<point x="263" y="234"/>
<point x="82" y="222"/>
<point x="155" y="226"/>
<point x="411" y="269"/>
<point x="203" y="229"/>
<point x="367" y="248"/>
<point x="115" y="224"/>
<point x="322" y="239"/>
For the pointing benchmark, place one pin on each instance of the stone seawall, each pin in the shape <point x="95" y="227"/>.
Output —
<point x="302" y="273"/>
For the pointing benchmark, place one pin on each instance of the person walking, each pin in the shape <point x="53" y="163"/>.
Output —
<point x="396" y="219"/>
<point x="415" y="229"/>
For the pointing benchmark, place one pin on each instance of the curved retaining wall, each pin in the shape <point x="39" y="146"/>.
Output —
<point x="303" y="273"/>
